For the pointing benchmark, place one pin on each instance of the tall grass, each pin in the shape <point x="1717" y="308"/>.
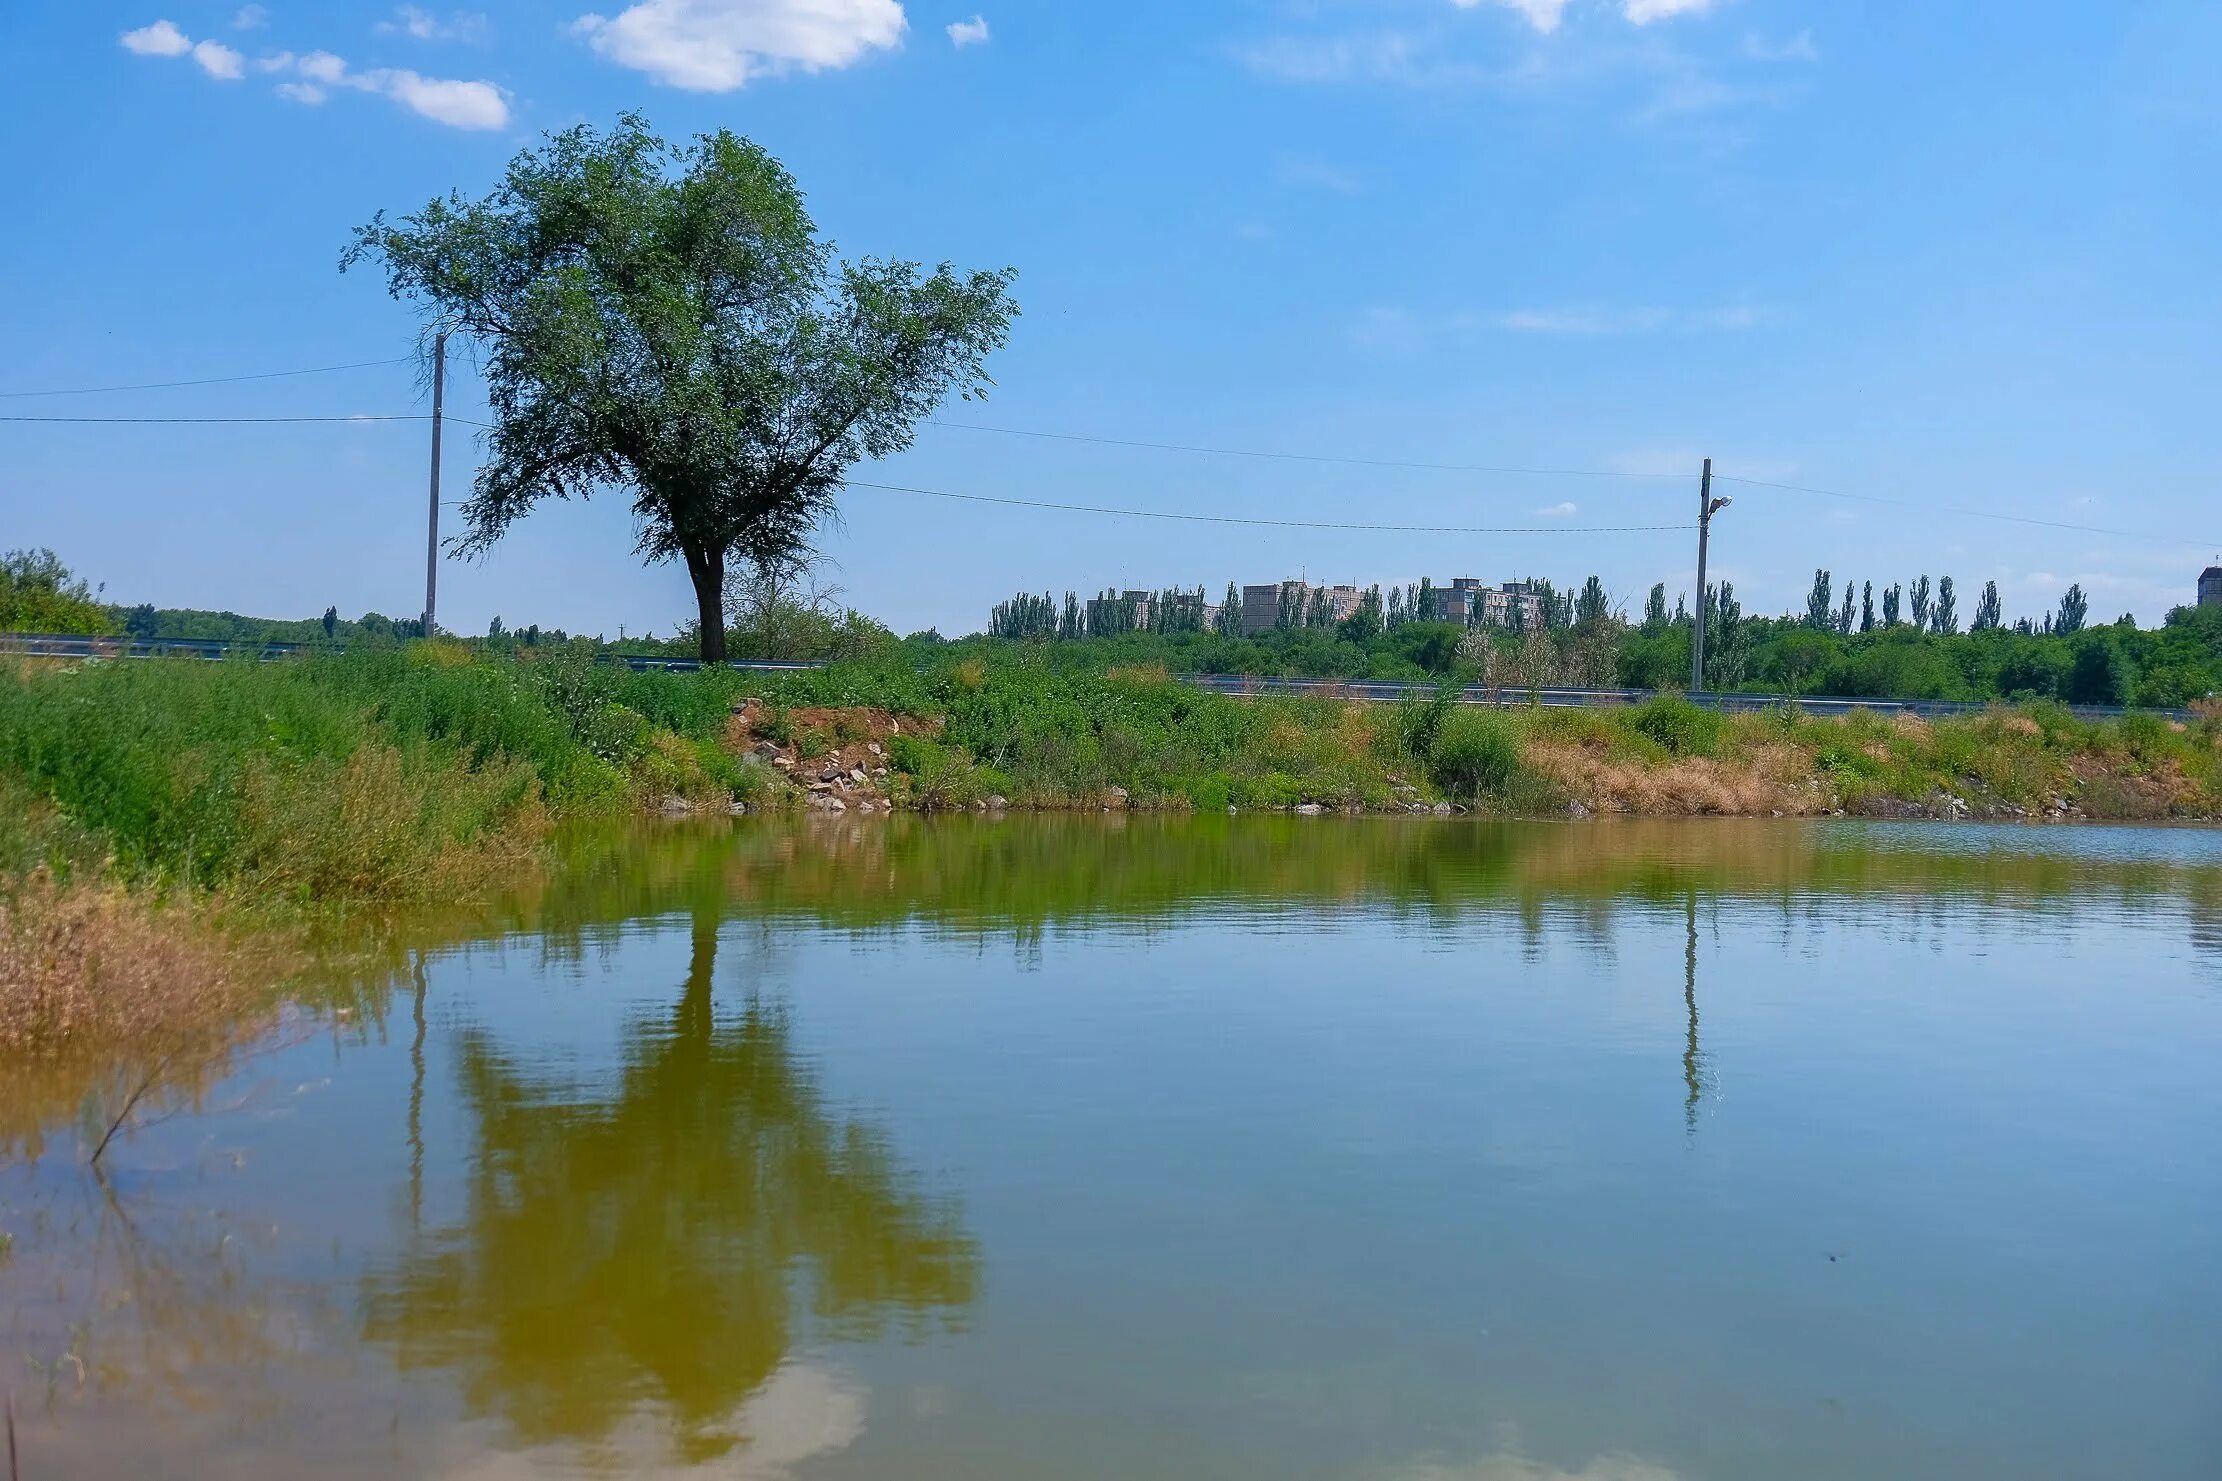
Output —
<point x="275" y="780"/>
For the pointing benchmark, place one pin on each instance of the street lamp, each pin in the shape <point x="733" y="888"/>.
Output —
<point x="1707" y="507"/>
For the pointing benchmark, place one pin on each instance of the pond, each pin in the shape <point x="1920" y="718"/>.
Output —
<point x="1046" y="1148"/>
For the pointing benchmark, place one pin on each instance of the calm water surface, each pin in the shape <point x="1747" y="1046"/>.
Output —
<point x="1232" y="1148"/>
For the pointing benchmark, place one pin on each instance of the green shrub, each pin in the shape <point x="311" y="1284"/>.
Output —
<point x="1419" y="721"/>
<point x="938" y="777"/>
<point x="1273" y="789"/>
<point x="1679" y="727"/>
<point x="1213" y="793"/>
<point x="1476" y="754"/>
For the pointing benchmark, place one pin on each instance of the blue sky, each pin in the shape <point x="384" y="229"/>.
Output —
<point x="1957" y="254"/>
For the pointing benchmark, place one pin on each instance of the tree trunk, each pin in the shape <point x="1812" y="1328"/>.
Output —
<point x="706" y="568"/>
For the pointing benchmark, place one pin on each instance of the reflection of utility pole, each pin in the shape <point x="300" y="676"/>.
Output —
<point x="1692" y="1060"/>
<point x="416" y="1109"/>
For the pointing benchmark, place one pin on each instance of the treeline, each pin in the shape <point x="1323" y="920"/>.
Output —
<point x="150" y="623"/>
<point x="1027" y="617"/>
<point x="1925" y="609"/>
<point x="1901" y="641"/>
<point x="1111" y="613"/>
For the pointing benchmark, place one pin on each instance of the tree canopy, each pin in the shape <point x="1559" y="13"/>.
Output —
<point x="666" y="319"/>
<point x="39" y="594"/>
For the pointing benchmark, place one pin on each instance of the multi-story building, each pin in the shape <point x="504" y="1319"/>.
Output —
<point x="1344" y="601"/>
<point x="2210" y="587"/>
<point x="1464" y="599"/>
<point x="1457" y="601"/>
<point x="1467" y="600"/>
<point x="1261" y="605"/>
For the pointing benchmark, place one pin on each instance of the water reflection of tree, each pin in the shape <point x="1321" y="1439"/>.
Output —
<point x="665" y="1241"/>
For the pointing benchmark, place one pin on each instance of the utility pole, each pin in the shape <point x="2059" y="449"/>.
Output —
<point x="432" y="526"/>
<point x="1706" y="509"/>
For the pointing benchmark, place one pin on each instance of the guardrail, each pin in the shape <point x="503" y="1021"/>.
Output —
<point x="1506" y="696"/>
<point x="72" y="645"/>
<point x="63" y="645"/>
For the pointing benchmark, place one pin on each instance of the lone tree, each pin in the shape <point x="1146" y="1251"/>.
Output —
<point x="666" y="320"/>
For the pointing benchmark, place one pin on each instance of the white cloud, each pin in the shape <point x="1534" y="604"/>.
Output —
<point x="973" y="32"/>
<point x="1580" y="321"/>
<point x="1544" y="15"/>
<point x="322" y="66"/>
<point x="220" y="61"/>
<point x="250" y="18"/>
<point x="1644" y="12"/>
<point x="1798" y="48"/>
<point x="462" y="105"/>
<point x="1595" y="320"/>
<point x="1564" y="509"/>
<point x="1384" y="56"/>
<point x="420" y="24"/>
<point x="720" y="45"/>
<point x="458" y="104"/>
<point x="162" y="39"/>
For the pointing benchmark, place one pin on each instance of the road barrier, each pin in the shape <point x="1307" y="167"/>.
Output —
<point x="71" y="645"/>
<point x="61" y="645"/>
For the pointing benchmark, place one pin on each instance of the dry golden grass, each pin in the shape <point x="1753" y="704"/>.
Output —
<point x="1767" y="780"/>
<point x="94" y="964"/>
<point x="115" y="1007"/>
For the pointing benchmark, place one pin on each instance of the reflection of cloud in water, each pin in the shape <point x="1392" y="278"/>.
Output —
<point x="1506" y="1466"/>
<point x="802" y="1412"/>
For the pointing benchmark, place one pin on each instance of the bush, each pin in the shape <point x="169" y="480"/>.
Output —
<point x="1476" y="754"/>
<point x="39" y="595"/>
<point x="938" y="778"/>
<point x="1679" y="727"/>
<point x="2100" y="673"/>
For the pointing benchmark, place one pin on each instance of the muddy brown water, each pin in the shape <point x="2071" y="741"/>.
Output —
<point x="1388" y="1150"/>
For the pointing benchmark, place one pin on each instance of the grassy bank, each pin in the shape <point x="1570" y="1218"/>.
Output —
<point x="242" y="815"/>
<point x="206" y="804"/>
<point x="1055" y="737"/>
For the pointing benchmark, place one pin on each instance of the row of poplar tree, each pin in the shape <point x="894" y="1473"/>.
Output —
<point x="1298" y="607"/>
<point x="1932" y="610"/>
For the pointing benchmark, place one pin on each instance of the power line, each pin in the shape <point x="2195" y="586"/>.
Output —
<point x="229" y="421"/>
<point x="1247" y="452"/>
<point x="1178" y="447"/>
<point x="1286" y="524"/>
<point x="214" y="380"/>
<point x="1961" y="509"/>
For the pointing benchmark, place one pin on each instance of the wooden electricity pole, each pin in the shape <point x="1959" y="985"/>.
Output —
<point x="432" y="528"/>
